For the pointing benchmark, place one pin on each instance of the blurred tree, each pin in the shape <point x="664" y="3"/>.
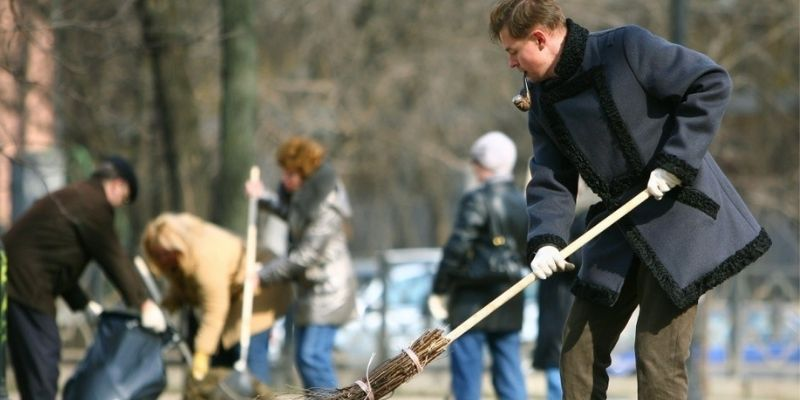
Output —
<point x="396" y="90"/>
<point x="238" y="111"/>
<point x="175" y="112"/>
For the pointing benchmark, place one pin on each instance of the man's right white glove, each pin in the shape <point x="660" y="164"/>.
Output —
<point x="152" y="317"/>
<point x="437" y="305"/>
<point x="547" y="261"/>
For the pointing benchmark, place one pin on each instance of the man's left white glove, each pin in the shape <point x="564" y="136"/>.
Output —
<point x="152" y="317"/>
<point x="661" y="181"/>
<point x="437" y="305"/>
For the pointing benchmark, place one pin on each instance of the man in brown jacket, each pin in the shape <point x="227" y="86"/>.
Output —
<point x="48" y="248"/>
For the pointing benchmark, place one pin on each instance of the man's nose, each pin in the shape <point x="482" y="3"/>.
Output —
<point x="512" y="62"/>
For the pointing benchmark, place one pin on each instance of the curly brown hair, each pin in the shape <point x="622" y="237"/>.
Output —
<point x="519" y="16"/>
<point x="301" y="155"/>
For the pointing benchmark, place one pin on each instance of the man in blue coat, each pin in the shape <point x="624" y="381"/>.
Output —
<point x="626" y="110"/>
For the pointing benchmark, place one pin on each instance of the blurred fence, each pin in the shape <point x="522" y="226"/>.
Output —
<point x="753" y="323"/>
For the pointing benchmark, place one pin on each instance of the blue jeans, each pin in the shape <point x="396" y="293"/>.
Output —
<point x="314" y="356"/>
<point x="257" y="356"/>
<point x="553" y="378"/>
<point x="466" y="365"/>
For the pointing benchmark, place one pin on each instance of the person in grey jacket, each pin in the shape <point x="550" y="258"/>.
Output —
<point x="314" y="204"/>
<point x="626" y="110"/>
<point x="490" y="220"/>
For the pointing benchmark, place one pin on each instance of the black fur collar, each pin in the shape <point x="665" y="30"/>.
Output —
<point x="572" y="53"/>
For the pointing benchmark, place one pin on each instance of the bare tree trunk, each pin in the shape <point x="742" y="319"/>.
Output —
<point x="175" y="111"/>
<point x="239" y="101"/>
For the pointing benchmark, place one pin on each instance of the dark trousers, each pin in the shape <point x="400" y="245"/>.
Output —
<point x="35" y="349"/>
<point x="663" y="336"/>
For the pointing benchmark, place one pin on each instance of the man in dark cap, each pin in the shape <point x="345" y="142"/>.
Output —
<point x="48" y="248"/>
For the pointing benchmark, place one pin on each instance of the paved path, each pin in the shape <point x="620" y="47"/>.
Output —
<point x="432" y="384"/>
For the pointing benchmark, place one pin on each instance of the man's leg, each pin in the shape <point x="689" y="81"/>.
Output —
<point x="314" y="356"/>
<point x="591" y="332"/>
<point x="466" y="365"/>
<point x="507" y="377"/>
<point x="35" y="349"/>
<point x="663" y="337"/>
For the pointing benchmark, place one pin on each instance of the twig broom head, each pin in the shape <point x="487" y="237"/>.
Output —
<point x="390" y="374"/>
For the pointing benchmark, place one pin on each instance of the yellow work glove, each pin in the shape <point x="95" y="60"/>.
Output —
<point x="200" y="363"/>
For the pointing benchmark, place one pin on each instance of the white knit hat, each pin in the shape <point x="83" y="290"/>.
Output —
<point x="495" y="151"/>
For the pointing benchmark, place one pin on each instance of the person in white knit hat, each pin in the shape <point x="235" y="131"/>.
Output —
<point x="490" y="225"/>
<point x="495" y="152"/>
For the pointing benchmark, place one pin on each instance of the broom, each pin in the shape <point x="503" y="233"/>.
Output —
<point x="390" y="374"/>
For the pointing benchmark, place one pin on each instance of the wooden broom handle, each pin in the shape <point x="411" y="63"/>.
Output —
<point x="530" y="278"/>
<point x="250" y="266"/>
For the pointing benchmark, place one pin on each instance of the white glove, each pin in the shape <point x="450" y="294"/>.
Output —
<point x="661" y="181"/>
<point x="152" y="317"/>
<point x="94" y="309"/>
<point x="547" y="261"/>
<point x="437" y="305"/>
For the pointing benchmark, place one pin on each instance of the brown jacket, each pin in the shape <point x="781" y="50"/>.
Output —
<point x="49" y="246"/>
<point x="210" y="276"/>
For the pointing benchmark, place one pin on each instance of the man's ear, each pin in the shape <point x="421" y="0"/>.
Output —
<point x="538" y="37"/>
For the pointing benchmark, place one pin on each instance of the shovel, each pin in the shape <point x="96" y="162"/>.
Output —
<point x="241" y="384"/>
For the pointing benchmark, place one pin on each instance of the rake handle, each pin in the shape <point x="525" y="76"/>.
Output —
<point x="530" y="278"/>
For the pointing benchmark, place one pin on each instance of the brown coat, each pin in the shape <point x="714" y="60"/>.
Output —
<point x="50" y="245"/>
<point x="210" y="276"/>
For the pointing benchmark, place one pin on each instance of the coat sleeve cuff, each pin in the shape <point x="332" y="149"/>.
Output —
<point x="685" y="172"/>
<point x="536" y="242"/>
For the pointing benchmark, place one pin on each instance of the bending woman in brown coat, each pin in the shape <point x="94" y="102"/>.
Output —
<point x="204" y="265"/>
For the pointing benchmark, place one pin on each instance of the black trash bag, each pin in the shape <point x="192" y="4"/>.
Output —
<point x="124" y="362"/>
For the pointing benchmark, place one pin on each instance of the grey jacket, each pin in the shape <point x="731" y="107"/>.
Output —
<point x="318" y="259"/>
<point x="626" y="102"/>
<point x="471" y="231"/>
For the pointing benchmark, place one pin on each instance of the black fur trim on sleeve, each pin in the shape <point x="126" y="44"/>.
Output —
<point x="685" y="172"/>
<point x="594" y="293"/>
<point x="536" y="242"/>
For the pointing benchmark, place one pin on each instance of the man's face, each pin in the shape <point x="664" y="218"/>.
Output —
<point x="527" y="54"/>
<point x="117" y="192"/>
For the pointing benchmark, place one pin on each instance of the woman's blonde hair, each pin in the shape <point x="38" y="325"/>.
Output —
<point x="301" y="155"/>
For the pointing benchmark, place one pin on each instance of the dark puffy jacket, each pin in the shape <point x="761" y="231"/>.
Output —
<point x="471" y="231"/>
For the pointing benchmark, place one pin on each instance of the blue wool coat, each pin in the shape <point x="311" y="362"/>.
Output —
<point x="626" y="102"/>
